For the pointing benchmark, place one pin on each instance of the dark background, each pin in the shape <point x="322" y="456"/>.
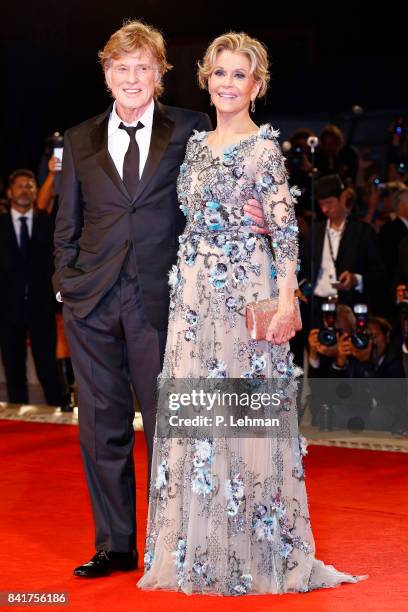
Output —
<point x="323" y="61"/>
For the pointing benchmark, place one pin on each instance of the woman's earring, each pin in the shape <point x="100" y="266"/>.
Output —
<point x="252" y="106"/>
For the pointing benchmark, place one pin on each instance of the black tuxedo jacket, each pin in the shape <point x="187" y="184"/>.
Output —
<point x="98" y="222"/>
<point x="26" y="290"/>
<point x="358" y="253"/>
<point x="391" y="235"/>
<point x="401" y="276"/>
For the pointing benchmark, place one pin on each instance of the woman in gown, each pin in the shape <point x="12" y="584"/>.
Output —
<point x="229" y="516"/>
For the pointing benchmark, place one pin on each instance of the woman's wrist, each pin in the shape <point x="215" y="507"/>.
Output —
<point x="286" y="300"/>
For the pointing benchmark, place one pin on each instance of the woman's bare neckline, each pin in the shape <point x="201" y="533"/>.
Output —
<point x="230" y="145"/>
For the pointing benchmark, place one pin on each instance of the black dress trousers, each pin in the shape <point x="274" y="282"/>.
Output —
<point x="113" y="348"/>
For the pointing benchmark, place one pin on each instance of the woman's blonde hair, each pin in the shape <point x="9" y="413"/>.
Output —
<point x="237" y="42"/>
<point x="135" y="35"/>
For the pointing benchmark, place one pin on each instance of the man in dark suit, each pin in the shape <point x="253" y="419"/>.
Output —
<point x="394" y="231"/>
<point x="342" y="258"/>
<point x="391" y="235"/>
<point x="27" y="305"/>
<point x="116" y="239"/>
<point x="401" y="294"/>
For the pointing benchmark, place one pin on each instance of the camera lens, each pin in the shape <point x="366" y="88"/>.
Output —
<point x="327" y="337"/>
<point x="360" y="341"/>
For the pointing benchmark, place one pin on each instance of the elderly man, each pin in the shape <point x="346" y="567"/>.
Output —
<point x="116" y="239"/>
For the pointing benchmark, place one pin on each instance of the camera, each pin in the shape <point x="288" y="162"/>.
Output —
<point x="327" y="335"/>
<point x="402" y="168"/>
<point x="360" y="337"/>
<point x="296" y="156"/>
<point x="398" y="128"/>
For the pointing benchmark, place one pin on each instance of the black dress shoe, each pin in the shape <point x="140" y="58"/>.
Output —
<point x="104" y="563"/>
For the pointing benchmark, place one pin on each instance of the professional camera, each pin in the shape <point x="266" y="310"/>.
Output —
<point x="296" y="156"/>
<point x="327" y="336"/>
<point x="360" y="337"/>
<point x="398" y="128"/>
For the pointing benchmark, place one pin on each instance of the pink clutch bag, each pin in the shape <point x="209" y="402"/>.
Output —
<point x="259" y="315"/>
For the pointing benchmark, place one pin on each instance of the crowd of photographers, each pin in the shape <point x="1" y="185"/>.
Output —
<point x="353" y="218"/>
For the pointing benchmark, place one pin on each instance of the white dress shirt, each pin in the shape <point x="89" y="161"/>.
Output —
<point x="15" y="216"/>
<point x="118" y="142"/>
<point x="327" y="273"/>
<point x="118" y="139"/>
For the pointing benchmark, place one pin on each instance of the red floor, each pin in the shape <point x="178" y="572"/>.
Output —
<point x="359" y="511"/>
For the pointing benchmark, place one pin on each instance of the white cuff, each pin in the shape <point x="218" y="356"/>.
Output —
<point x="58" y="297"/>
<point x="359" y="286"/>
<point x="315" y="363"/>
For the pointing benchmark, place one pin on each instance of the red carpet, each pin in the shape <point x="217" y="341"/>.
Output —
<point x="359" y="511"/>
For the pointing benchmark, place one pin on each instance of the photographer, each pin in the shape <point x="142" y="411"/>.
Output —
<point x="346" y="260"/>
<point x="322" y="355"/>
<point x="397" y="154"/>
<point x="300" y="167"/>
<point x="375" y="359"/>
<point x="46" y="194"/>
<point x="394" y="231"/>
<point x="401" y="294"/>
<point x="380" y="359"/>
<point x="333" y="156"/>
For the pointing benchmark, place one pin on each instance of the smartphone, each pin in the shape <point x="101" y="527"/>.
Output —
<point x="336" y="284"/>
<point x="58" y="152"/>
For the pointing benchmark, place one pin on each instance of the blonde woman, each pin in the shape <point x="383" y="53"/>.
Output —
<point x="229" y="516"/>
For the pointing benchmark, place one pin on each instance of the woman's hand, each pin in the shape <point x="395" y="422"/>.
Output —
<point x="284" y="324"/>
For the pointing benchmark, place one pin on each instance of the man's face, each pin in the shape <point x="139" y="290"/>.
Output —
<point x="344" y="322"/>
<point x="329" y="144"/>
<point x="132" y="79"/>
<point x="378" y="337"/>
<point x="22" y="192"/>
<point x="331" y="207"/>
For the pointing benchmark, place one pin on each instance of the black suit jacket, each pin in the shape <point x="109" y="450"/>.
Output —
<point x="358" y="253"/>
<point x="391" y="235"/>
<point x="26" y="291"/>
<point x="98" y="222"/>
<point x="401" y="276"/>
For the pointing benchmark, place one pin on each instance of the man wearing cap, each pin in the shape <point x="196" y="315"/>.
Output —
<point x="342" y="258"/>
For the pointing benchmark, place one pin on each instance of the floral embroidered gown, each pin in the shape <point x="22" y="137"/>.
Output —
<point x="229" y="516"/>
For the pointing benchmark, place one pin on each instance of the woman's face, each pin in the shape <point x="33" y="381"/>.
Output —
<point x="231" y="85"/>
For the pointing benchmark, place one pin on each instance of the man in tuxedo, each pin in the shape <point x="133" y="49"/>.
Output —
<point x="27" y="305"/>
<point x="116" y="239"/>
<point x="391" y="235"/>
<point x="401" y="293"/>
<point x="342" y="258"/>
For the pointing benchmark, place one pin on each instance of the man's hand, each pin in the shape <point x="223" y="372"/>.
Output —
<point x="348" y="280"/>
<point x="400" y="293"/>
<point x="362" y="354"/>
<point x="253" y="209"/>
<point x="316" y="348"/>
<point x="54" y="165"/>
<point x="344" y="347"/>
<point x="301" y="296"/>
<point x="314" y="343"/>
